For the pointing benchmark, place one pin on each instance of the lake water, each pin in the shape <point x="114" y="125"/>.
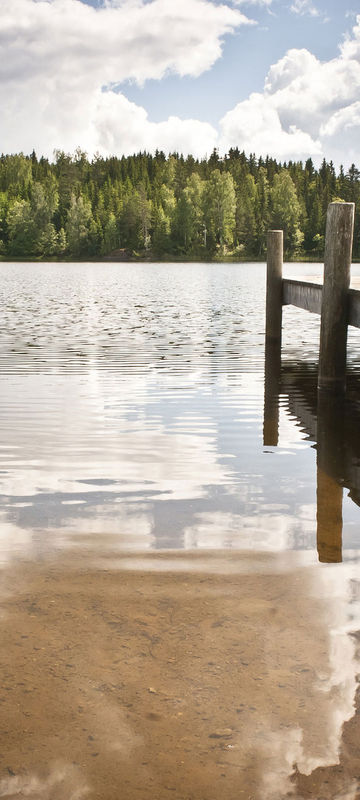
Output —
<point x="135" y="439"/>
<point x="132" y="407"/>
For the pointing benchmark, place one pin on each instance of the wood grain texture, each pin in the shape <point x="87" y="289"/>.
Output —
<point x="334" y="310"/>
<point x="303" y="295"/>
<point x="274" y="284"/>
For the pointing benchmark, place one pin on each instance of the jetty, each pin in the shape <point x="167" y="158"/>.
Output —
<point x="324" y="420"/>
<point x="338" y="305"/>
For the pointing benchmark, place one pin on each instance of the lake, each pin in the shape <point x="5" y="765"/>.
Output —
<point x="179" y="559"/>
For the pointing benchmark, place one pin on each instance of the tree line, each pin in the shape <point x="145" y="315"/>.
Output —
<point x="153" y="206"/>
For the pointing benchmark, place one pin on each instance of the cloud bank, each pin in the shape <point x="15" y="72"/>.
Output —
<point x="62" y="60"/>
<point x="307" y="108"/>
<point x="63" y="65"/>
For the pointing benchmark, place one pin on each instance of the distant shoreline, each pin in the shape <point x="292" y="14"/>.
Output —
<point x="169" y="260"/>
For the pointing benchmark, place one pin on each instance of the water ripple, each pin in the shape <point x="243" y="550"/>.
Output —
<point x="132" y="406"/>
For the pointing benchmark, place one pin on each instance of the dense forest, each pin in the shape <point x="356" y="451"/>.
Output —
<point x="153" y="206"/>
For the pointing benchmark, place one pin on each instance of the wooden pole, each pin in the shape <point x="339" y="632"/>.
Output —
<point x="274" y="285"/>
<point x="334" y="307"/>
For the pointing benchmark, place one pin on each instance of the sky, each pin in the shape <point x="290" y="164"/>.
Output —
<point x="276" y="77"/>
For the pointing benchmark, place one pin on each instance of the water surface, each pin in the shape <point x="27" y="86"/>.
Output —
<point x="179" y="540"/>
<point x="132" y="404"/>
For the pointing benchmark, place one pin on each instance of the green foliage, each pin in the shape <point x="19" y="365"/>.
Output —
<point x="188" y="226"/>
<point x="16" y="175"/>
<point x="246" y="208"/>
<point x="286" y="211"/>
<point x="111" y="234"/>
<point x="144" y="213"/>
<point x="158" y="206"/>
<point x="219" y="207"/>
<point x="262" y="214"/>
<point x="21" y="229"/>
<point x="161" y="231"/>
<point x="80" y="230"/>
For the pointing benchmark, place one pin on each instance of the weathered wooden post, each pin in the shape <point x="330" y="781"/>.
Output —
<point x="334" y="307"/>
<point x="274" y="285"/>
<point x="273" y="337"/>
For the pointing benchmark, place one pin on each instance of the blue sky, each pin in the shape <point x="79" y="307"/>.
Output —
<point x="115" y="76"/>
<point x="246" y="58"/>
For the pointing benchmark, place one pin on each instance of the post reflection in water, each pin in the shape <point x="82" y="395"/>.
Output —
<point x="330" y="435"/>
<point x="330" y="472"/>
<point x="272" y="391"/>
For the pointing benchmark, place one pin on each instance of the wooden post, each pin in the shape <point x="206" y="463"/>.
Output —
<point x="274" y="285"/>
<point x="334" y="307"/>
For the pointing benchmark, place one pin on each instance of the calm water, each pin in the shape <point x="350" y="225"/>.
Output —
<point x="179" y="541"/>
<point x="132" y="407"/>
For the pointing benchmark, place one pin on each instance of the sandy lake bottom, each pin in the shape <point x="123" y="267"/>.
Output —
<point x="207" y="676"/>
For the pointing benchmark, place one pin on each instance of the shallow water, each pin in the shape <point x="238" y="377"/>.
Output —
<point x="179" y="540"/>
<point x="132" y="405"/>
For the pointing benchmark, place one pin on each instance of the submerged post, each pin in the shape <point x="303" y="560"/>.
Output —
<point x="334" y="307"/>
<point x="274" y="285"/>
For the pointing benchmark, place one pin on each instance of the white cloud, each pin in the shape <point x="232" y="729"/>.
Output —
<point x="62" y="63"/>
<point x="341" y="134"/>
<point x="350" y="48"/>
<point x="265" y="3"/>
<point x="254" y="125"/>
<point x="112" y="43"/>
<point x="124" y="127"/>
<point x="58" y="56"/>
<point x="304" y="7"/>
<point x="307" y="108"/>
<point x="295" y="64"/>
<point x="307" y="92"/>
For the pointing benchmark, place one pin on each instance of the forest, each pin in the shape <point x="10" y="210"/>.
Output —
<point x="155" y="207"/>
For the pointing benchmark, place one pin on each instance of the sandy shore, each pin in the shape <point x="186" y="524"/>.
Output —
<point x="233" y="678"/>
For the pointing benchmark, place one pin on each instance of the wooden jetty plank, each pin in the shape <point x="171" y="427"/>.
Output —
<point x="308" y="296"/>
<point x="303" y="295"/>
